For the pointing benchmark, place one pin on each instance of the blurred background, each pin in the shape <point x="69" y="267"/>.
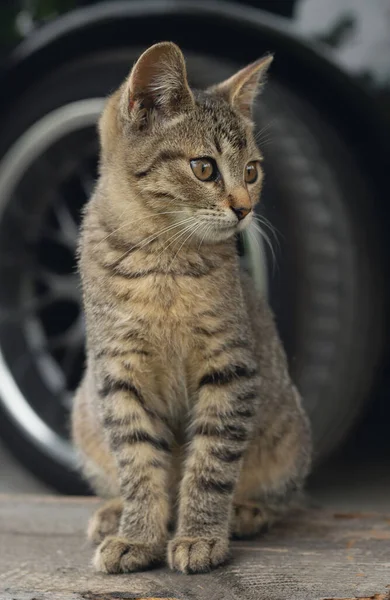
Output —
<point x="323" y="124"/>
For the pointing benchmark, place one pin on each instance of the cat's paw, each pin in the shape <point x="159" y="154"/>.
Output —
<point x="248" y="521"/>
<point x="197" y="554"/>
<point x="105" y="521"/>
<point x="119" y="555"/>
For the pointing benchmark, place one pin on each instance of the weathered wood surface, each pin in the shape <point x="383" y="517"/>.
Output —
<point x="315" y="555"/>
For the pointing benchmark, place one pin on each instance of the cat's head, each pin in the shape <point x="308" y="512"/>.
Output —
<point x="188" y="156"/>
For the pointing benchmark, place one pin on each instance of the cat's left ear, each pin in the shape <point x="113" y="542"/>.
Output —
<point x="241" y="89"/>
<point x="158" y="81"/>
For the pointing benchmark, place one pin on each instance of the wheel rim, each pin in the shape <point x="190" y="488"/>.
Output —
<point x="41" y="326"/>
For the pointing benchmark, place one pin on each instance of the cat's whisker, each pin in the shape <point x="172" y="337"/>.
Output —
<point x="186" y="222"/>
<point x="153" y="237"/>
<point x="264" y="221"/>
<point x="174" y="237"/>
<point x="206" y="230"/>
<point x="266" y="238"/>
<point x="111" y="233"/>
<point x="188" y="228"/>
<point x="264" y="137"/>
<point x="210" y="228"/>
<point x="136" y="221"/>
<point x="265" y="142"/>
<point x="254" y="238"/>
<point x="256" y="241"/>
<point x="264" y="129"/>
<point x="194" y="228"/>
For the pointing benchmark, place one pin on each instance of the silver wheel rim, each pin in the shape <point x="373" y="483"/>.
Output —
<point x="37" y="139"/>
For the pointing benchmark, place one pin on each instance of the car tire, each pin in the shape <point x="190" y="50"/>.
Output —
<point x="322" y="284"/>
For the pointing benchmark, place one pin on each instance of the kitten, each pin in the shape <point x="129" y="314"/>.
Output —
<point x="186" y="407"/>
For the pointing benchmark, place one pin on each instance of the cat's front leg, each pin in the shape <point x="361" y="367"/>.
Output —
<point x="222" y="426"/>
<point x="141" y="442"/>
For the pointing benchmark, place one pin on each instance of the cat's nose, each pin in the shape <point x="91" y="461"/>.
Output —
<point x="240" y="203"/>
<point x="241" y="212"/>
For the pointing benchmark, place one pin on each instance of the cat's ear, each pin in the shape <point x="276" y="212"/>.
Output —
<point x="158" y="81"/>
<point x="241" y="89"/>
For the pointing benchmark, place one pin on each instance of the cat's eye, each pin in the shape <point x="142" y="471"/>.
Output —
<point x="251" y="172"/>
<point x="205" y="169"/>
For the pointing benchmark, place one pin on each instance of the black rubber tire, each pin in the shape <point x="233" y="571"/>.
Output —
<point x="323" y="287"/>
<point x="327" y="291"/>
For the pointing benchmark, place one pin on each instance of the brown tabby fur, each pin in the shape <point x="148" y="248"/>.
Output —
<point x="186" y="415"/>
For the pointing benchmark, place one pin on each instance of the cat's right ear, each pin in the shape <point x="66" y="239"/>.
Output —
<point x="157" y="84"/>
<point x="241" y="89"/>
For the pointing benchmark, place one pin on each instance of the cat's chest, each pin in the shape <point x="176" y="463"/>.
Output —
<point x="168" y="310"/>
<point x="170" y="299"/>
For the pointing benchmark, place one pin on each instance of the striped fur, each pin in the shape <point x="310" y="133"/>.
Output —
<point x="186" y="416"/>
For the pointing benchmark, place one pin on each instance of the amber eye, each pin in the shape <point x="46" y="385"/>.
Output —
<point x="205" y="169"/>
<point x="251" y="172"/>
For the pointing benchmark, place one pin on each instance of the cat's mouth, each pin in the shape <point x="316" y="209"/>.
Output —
<point x="220" y="232"/>
<point x="217" y="229"/>
<point x="232" y="228"/>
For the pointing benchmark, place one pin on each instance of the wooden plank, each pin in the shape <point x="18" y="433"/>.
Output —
<point x="315" y="555"/>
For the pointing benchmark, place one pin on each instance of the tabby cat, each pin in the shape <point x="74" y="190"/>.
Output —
<point x="186" y="418"/>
